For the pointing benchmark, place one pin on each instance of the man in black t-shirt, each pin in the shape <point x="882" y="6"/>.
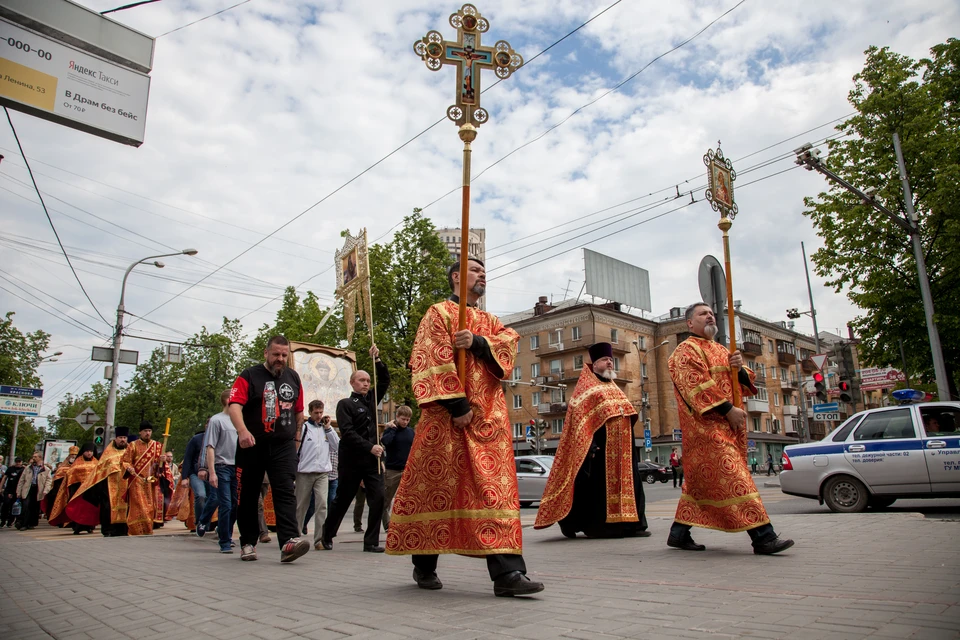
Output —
<point x="8" y="491"/>
<point x="266" y="408"/>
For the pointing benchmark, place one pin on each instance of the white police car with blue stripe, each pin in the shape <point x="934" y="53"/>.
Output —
<point x="878" y="456"/>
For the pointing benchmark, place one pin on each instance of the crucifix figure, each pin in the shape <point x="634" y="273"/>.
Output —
<point x="470" y="57"/>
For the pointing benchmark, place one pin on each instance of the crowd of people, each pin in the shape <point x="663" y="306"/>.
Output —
<point x="451" y="481"/>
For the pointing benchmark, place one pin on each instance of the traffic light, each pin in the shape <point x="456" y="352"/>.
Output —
<point x="819" y="384"/>
<point x="98" y="436"/>
<point x="846" y="391"/>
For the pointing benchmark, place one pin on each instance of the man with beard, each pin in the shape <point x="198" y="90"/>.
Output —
<point x="458" y="492"/>
<point x="141" y="461"/>
<point x="82" y="467"/>
<point x="594" y="484"/>
<point x="719" y="492"/>
<point x="102" y="496"/>
<point x="63" y="468"/>
<point x="266" y="409"/>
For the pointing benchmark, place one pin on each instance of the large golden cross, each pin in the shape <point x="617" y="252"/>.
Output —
<point x="470" y="58"/>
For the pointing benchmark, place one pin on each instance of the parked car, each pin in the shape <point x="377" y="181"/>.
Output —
<point x="532" y="474"/>
<point x="878" y="456"/>
<point x="650" y="472"/>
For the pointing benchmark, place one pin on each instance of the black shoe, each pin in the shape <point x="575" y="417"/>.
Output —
<point x="326" y="544"/>
<point x="372" y="548"/>
<point x="687" y="544"/>
<point x="568" y="532"/>
<point x="776" y="545"/>
<point x="358" y="529"/>
<point x="515" y="584"/>
<point x="427" y="580"/>
<point x="640" y="534"/>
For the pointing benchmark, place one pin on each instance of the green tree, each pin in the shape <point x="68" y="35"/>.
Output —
<point x="408" y="275"/>
<point x="20" y="355"/>
<point x="867" y="254"/>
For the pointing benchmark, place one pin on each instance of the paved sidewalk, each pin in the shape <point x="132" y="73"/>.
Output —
<point x="850" y="576"/>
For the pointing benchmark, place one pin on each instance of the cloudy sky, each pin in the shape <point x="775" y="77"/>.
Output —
<point x="261" y="116"/>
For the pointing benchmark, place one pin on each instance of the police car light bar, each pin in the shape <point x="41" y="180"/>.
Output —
<point x="907" y="396"/>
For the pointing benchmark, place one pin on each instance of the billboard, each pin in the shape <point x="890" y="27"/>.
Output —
<point x="60" y="63"/>
<point x="874" y="378"/>
<point x="20" y="406"/>
<point x="617" y="281"/>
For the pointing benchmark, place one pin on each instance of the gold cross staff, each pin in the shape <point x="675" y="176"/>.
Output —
<point x="470" y="57"/>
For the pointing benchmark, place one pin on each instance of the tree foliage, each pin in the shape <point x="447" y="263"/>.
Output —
<point x="20" y="355"/>
<point x="867" y="254"/>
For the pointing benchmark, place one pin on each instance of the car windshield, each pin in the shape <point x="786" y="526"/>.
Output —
<point x="546" y="461"/>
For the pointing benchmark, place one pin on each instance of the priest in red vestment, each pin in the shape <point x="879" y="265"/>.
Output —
<point x="594" y="484"/>
<point x="102" y="496"/>
<point x="718" y="492"/>
<point x="458" y="493"/>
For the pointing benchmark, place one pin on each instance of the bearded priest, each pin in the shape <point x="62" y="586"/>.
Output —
<point x="594" y="484"/>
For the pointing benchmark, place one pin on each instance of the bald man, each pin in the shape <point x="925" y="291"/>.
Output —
<point x="360" y="451"/>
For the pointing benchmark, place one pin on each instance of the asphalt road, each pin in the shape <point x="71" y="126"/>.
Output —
<point x="662" y="499"/>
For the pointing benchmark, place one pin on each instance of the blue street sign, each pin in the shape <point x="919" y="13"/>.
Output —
<point x="529" y="432"/>
<point x="751" y="444"/>
<point x="647" y="443"/>
<point x="20" y="391"/>
<point x="677" y="435"/>
<point x="827" y="407"/>
<point x="646" y="434"/>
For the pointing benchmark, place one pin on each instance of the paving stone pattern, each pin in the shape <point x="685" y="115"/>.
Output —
<point x="850" y="576"/>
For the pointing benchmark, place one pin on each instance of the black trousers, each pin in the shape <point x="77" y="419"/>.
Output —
<point x="30" y="510"/>
<point x="497" y="564"/>
<point x="5" y="516"/>
<point x="351" y="473"/>
<point x="107" y="528"/>
<point x="758" y="535"/>
<point x="279" y="460"/>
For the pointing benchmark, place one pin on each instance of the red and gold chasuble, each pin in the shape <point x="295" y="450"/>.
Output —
<point x="142" y="495"/>
<point x="75" y="475"/>
<point x="458" y="493"/>
<point x="595" y="404"/>
<point x="718" y="490"/>
<point x="50" y="500"/>
<point x="110" y="468"/>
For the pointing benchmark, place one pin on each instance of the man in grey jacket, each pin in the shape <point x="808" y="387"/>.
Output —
<point x="35" y="481"/>
<point x="315" y="442"/>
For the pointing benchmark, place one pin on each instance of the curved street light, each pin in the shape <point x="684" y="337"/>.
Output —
<point x="118" y="335"/>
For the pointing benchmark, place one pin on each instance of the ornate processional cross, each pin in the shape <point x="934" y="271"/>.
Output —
<point x="470" y="59"/>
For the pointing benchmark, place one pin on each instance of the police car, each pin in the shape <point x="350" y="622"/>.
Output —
<point x="880" y="455"/>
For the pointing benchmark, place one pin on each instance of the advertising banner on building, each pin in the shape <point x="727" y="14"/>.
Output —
<point x="875" y="378"/>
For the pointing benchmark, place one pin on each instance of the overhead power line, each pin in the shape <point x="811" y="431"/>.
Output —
<point x="216" y="13"/>
<point x="49" y="219"/>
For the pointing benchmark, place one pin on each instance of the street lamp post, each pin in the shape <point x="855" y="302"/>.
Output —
<point x="16" y="419"/>
<point x="118" y="337"/>
<point x="809" y="158"/>
<point x="643" y="398"/>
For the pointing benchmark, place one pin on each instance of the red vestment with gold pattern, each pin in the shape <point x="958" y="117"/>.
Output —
<point x="110" y="469"/>
<point x="458" y="493"/>
<point x="718" y="491"/>
<point x="74" y="477"/>
<point x="595" y="404"/>
<point x="142" y="494"/>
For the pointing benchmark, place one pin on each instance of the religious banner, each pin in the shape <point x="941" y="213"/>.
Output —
<point x="353" y="281"/>
<point x="720" y="178"/>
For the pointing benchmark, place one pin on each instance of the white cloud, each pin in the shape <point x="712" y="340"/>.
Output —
<point x="257" y="114"/>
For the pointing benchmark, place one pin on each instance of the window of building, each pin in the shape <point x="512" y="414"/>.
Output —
<point x="756" y="424"/>
<point x="556" y="366"/>
<point x="553" y="337"/>
<point x="577" y="363"/>
<point x="518" y="430"/>
<point x="534" y="342"/>
<point x="783" y="374"/>
<point x="776" y="399"/>
<point x="575" y="333"/>
<point x="768" y="424"/>
<point x="770" y="346"/>
<point x="761" y="394"/>
<point x="613" y="336"/>
<point x="643" y="341"/>
<point x="556" y="426"/>
<point x="616" y="364"/>
<point x="558" y="395"/>
<point x="535" y="370"/>
<point x="517" y="401"/>
<point x="535" y="400"/>
<point x="518" y="346"/>
<point x="516" y="373"/>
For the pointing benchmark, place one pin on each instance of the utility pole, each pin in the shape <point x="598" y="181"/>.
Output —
<point x="809" y="158"/>
<point x="813" y="310"/>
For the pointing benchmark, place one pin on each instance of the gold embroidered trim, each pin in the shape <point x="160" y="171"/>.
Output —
<point x="722" y="503"/>
<point x="469" y="514"/>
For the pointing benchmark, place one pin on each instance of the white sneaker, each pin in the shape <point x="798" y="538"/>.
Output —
<point x="248" y="552"/>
